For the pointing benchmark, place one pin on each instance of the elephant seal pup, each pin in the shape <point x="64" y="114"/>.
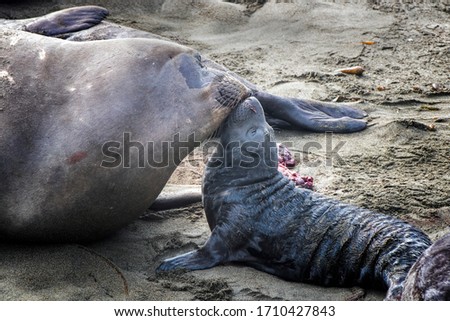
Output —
<point x="85" y="24"/>
<point x="90" y="132"/>
<point x="259" y="218"/>
<point x="429" y="277"/>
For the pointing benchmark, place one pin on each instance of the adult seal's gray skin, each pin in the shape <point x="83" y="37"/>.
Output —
<point x="67" y="108"/>
<point x="429" y="277"/>
<point x="85" y="24"/>
<point x="259" y="218"/>
<point x="76" y="118"/>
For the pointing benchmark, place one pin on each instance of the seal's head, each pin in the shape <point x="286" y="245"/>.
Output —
<point x="213" y="93"/>
<point x="247" y="139"/>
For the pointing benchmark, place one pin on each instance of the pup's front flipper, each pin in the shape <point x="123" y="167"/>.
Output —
<point x="213" y="253"/>
<point x="195" y="260"/>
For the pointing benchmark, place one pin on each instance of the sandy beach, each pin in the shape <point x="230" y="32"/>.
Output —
<point x="400" y="165"/>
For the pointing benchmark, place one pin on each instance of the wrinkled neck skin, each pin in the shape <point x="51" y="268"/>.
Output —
<point x="231" y="177"/>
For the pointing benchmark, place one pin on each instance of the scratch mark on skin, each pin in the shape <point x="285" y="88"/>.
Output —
<point x="5" y="74"/>
<point x="76" y="157"/>
<point x="14" y="40"/>
<point x="42" y="54"/>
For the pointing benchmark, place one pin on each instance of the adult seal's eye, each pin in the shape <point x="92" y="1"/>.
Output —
<point x="198" y="57"/>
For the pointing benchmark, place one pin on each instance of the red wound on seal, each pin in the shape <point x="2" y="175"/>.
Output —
<point x="76" y="157"/>
<point x="285" y="161"/>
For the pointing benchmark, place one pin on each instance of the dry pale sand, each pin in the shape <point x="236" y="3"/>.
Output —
<point x="397" y="166"/>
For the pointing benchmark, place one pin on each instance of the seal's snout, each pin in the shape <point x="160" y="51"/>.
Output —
<point x="230" y="91"/>
<point x="246" y="110"/>
<point x="245" y="123"/>
<point x="242" y="113"/>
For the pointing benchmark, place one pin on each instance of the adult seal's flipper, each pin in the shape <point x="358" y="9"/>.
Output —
<point x="310" y="114"/>
<point x="67" y="21"/>
<point x="176" y="196"/>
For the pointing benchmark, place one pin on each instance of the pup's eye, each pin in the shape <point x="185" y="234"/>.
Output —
<point x="252" y="131"/>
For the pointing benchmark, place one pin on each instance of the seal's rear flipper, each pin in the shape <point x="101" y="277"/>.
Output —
<point x="67" y="20"/>
<point x="311" y="115"/>
<point x="176" y="196"/>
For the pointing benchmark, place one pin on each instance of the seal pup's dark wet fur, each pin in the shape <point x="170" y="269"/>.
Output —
<point x="429" y="278"/>
<point x="259" y="218"/>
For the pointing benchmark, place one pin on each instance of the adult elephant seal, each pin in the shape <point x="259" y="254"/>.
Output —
<point x="259" y="218"/>
<point x="429" y="277"/>
<point x="76" y="118"/>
